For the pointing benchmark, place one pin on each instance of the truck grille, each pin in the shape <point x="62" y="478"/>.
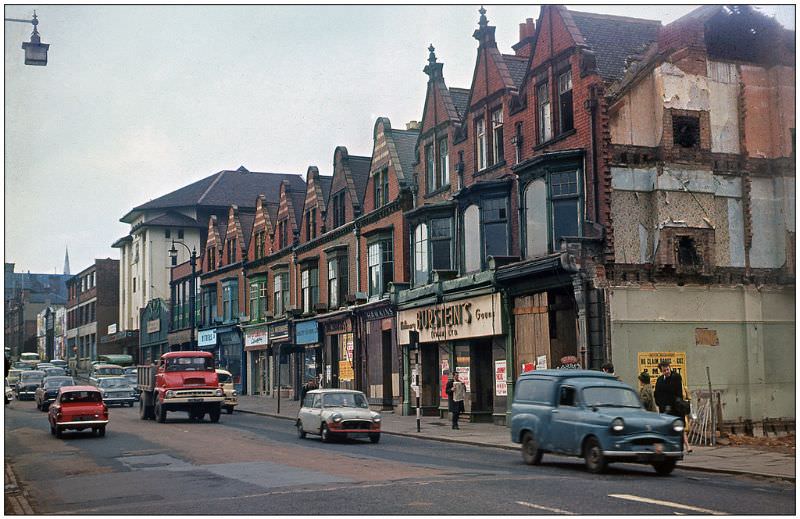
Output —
<point x="181" y="393"/>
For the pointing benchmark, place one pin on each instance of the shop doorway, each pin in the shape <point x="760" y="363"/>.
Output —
<point x="481" y="380"/>
<point x="386" y="358"/>
<point x="429" y="373"/>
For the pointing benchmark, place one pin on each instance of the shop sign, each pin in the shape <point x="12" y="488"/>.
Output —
<point x="345" y="370"/>
<point x="112" y="329"/>
<point x="501" y="388"/>
<point x="306" y="332"/>
<point x="278" y="332"/>
<point x="256" y="337"/>
<point x="154" y="326"/>
<point x="207" y="338"/>
<point x="648" y="361"/>
<point x="462" y="319"/>
<point x="463" y="376"/>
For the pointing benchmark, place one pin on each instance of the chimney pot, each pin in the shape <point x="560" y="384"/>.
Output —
<point x="412" y="125"/>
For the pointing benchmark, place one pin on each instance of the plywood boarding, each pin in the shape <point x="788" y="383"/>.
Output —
<point x="531" y="330"/>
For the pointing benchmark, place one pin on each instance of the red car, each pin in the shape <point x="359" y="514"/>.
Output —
<point x="78" y="408"/>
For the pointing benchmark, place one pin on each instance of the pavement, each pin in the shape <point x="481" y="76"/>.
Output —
<point x="720" y="459"/>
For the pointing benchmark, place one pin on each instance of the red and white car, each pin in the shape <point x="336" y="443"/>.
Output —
<point x="78" y="408"/>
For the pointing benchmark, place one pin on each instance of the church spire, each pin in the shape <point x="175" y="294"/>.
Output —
<point x="66" y="261"/>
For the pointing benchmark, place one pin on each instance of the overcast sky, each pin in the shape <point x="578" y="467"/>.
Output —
<point x="137" y="101"/>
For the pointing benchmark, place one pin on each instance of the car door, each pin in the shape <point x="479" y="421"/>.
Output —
<point x="565" y="420"/>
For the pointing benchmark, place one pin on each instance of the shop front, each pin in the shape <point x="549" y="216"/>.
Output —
<point x="309" y="350"/>
<point x="227" y="346"/>
<point x="339" y="349"/>
<point x="376" y="321"/>
<point x="463" y="335"/>
<point x="256" y="347"/>
<point x="280" y="346"/>
<point x="153" y="326"/>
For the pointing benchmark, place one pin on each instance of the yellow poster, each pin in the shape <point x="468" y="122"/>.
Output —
<point x="345" y="370"/>
<point x="648" y="361"/>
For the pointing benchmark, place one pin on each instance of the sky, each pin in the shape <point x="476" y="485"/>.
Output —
<point x="137" y="101"/>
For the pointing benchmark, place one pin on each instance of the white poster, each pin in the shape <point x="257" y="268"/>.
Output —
<point x="541" y="362"/>
<point x="463" y="376"/>
<point x="500" y="385"/>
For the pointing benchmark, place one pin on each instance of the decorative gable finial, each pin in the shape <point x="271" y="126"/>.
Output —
<point x="433" y="69"/>
<point x="484" y="34"/>
<point x="483" y="22"/>
<point x="431" y="55"/>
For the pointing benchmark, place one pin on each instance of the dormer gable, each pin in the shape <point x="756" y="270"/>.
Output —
<point x="313" y="223"/>
<point x="491" y="74"/>
<point x="439" y="107"/>
<point x="287" y="218"/>
<point x="350" y="175"/>
<point x="260" y="243"/>
<point x="392" y="165"/>
<point x="233" y="245"/>
<point x="212" y="254"/>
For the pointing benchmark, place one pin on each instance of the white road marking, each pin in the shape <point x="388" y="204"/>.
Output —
<point x="666" y="503"/>
<point x="545" y="508"/>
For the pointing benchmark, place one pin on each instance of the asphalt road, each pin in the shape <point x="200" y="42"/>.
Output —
<point x="249" y="464"/>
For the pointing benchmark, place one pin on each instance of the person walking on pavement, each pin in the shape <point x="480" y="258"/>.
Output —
<point x="646" y="392"/>
<point x="669" y="389"/>
<point x="456" y="392"/>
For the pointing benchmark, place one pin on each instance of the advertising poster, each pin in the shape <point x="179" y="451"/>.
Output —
<point x="648" y="361"/>
<point x="463" y="376"/>
<point x="445" y="373"/>
<point x="345" y="370"/>
<point x="541" y="362"/>
<point x="500" y="385"/>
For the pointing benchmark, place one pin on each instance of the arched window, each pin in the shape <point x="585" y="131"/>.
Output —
<point x="472" y="242"/>
<point x="536" y="219"/>
<point x="421" y="254"/>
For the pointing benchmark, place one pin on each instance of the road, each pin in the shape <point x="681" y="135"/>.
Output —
<point x="249" y="464"/>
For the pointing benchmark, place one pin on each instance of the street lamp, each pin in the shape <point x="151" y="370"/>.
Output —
<point x="173" y="253"/>
<point x="35" y="50"/>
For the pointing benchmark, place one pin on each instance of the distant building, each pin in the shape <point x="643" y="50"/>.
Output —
<point x="51" y="332"/>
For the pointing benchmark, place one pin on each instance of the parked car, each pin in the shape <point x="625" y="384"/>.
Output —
<point x="53" y="371"/>
<point x="42" y="365"/>
<point x="46" y="393"/>
<point x="132" y="374"/>
<point x="23" y="366"/>
<point x="78" y="408"/>
<point x="27" y="384"/>
<point x="9" y="392"/>
<point x="30" y="357"/>
<point x="592" y="415"/>
<point x="231" y="396"/>
<point x="13" y="376"/>
<point x="117" y="390"/>
<point x="104" y="370"/>
<point x="59" y="363"/>
<point x="333" y="413"/>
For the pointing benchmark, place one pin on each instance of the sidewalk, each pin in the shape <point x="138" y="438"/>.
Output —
<point x="722" y="459"/>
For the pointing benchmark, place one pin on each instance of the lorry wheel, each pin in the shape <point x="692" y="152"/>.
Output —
<point x="161" y="413"/>
<point x="142" y="410"/>
<point x="213" y="415"/>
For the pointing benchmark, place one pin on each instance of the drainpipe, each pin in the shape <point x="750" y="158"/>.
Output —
<point x="591" y="105"/>
<point x="357" y="234"/>
<point x="508" y="324"/>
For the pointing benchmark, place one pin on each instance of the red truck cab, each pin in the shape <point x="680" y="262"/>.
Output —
<point x="181" y="381"/>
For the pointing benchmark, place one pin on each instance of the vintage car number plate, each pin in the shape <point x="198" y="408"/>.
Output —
<point x="84" y="418"/>
<point x="195" y="400"/>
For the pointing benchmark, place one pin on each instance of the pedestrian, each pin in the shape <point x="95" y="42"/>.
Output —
<point x="456" y="392"/>
<point x="669" y="389"/>
<point x="646" y="392"/>
<point x="308" y="386"/>
<point x="609" y="368"/>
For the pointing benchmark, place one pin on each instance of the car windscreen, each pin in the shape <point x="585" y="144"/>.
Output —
<point x="344" y="400"/>
<point x="53" y="383"/>
<point x="113" y="382"/>
<point x="23" y="366"/>
<point x="189" y="364"/>
<point x="109" y="371"/>
<point x="81" y="397"/>
<point x="610" y="396"/>
<point x="30" y="377"/>
<point x="224" y="378"/>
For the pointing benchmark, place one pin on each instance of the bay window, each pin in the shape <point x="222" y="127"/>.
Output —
<point x="564" y="201"/>
<point x="441" y="236"/>
<point x="494" y="216"/>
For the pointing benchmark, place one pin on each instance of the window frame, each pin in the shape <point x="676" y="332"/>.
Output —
<point x="280" y="292"/>
<point x="443" y="162"/>
<point x="384" y="268"/>
<point x="544" y="122"/>
<point x="230" y="300"/>
<point x="309" y="287"/>
<point x="561" y="102"/>
<point x="498" y="149"/>
<point x="421" y="265"/>
<point x="340" y="275"/>
<point x="484" y="221"/>
<point x="430" y="168"/>
<point x="481" y="149"/>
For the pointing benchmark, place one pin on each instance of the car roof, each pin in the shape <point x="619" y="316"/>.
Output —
<point x="98" y="366"/>
<point x="115" y="377"/>
<point x="567" y="373"/>
<point x="174" y="354"/>
<point x="58" y="377"/>
<point x="67" y="389"/>
<point x="33" y="371"/>
<point x="328" y="391"/>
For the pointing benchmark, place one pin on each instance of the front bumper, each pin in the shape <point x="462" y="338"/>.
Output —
<point x="231" y="402"/>
<point x="193" y="400"/>
<point x="119" y="399"/>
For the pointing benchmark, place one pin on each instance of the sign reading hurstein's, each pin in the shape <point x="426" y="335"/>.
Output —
<point x="451" y="321"/>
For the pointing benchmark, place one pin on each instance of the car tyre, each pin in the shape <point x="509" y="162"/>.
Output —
<point x="531" y="453"/>
<point x="375" y="437"/>
<point x="593" y="456"/>
<point x="229" y="409"/>
<point x="59" y="432"/>
<point x="325" y="434"/>
<point x="52" y="430"/>
<point x="101" y="431"/>
<point x="161" y="413"/>
<point x="664" y="468"/>
<point x="300" y="432"/>
<point x="142" y="410"/>
<point x="213" y="415"/>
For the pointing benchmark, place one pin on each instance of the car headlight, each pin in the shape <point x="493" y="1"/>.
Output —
<point x="169" y="394"/>
<point x="336" y="418"/>
<point x="133" y="393"/>
<point x="678" y="426"/>
<point x="617" y="425"/>
<point x="219" y="392"/>
<point x="376" y="418"/>
<point x="234" y="393"/>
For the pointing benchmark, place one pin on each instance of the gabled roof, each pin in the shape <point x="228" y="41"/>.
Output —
<point x="298" y="199"/>
<point x="359" y="169"/>
<point x="173" y="219"/>
<point x="325" y="183"/>
<point x="246" y="221"/>
<point x="460" y="98"/>
<point x="221" y="190"/>
<point x="517" y="66"/>
<point x="405" y="142"/>
<point x="614" y="38"/>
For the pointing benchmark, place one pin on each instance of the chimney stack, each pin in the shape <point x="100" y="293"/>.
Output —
<point x="527" y="32"/>
<point x="412" y="125"/>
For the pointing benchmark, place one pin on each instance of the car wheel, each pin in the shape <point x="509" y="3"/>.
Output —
<point x="101" y="431"/>
<point x="375" y="437"/>
<point x="130" y="404"/>
<point x="59" y="432"/>
<point x="213" y="415"/>
<point x="593" y="456"/>
<point x="531" y="453"/>
<point x="300" y="432"/>
<point x="664" y="468"/>
<point x="52" y="430"/>
<point x="161" y="413"/>
<point x="325" y="433"/>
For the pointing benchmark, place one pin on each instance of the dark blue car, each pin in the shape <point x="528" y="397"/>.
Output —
<point x="592" y="415"/>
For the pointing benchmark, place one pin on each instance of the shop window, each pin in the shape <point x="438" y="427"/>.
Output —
<point x="543" y="112"/>
<point x="686" y="131"/>
<point x="421" y="254"/>
<point x="480" y="143"/>
<point x="444" y="164"/>
<point x="230" y="301"/>
<point x="497" y="136"/>
<point x="381" y="266"/>
<point x="441" y="237"/>
<point x="494" y="213"/>
<point x="536" y="219"/>
<point x="280" y="293"/>
<point x="309" y="285"/>
<point x="472" y="249"/>
<point x="565" y="101"/>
